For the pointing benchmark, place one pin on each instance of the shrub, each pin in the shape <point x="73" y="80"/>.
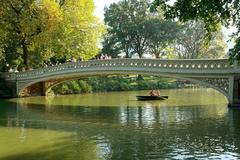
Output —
<point x="86" y="88"/>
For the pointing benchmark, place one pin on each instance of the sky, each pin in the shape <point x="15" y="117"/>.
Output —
<point x="100" y="4"/>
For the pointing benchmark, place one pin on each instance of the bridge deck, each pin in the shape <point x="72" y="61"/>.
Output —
<point x="194" y="67"/>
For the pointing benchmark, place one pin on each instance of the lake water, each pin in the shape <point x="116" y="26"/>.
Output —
<point x="191" y="124"/>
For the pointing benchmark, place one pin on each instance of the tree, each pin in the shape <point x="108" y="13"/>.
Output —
<point x="111" y="47"/>
<point x="117" y="18"/>
<point x="132" y="29"/>
<point x="26" y="24"/>
<point x="138" y="31"/>
<point x="212" y="13"/>
<point x="161" y="34"/>
<point x="32" y="31"/>
<point x="80" y="31"/>
<point x="127" y="26"/>
<point x="217" y="47"/>
<point x="191" y="42"/>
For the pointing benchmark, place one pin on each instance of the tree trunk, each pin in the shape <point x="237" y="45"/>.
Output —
<point x="25" y="54"/>
<point x="140" y="54"/>
<point x="127" y="55"/>
<point x="127" y="52"/>
<point x="157" y="55"/>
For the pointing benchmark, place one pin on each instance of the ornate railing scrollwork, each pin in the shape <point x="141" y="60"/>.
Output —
<point x="221" y="83"/>
<point x="194" y="66"/>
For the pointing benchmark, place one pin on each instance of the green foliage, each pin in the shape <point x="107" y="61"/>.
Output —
<point x="64" y="89"/>
<point x="2" y="56"/>
<point x="140" y="78"/>
<point x="191" y="42"/>
<point x="110" y="46"/>
<point x="235" y="52"/>
<point x="32" y="31"/>
<point x="27" y="25"/>
<point x="73" y="85"/>
<point x="112" y="83"/>
<point x="142" y="85"/>
<point x="212" y="13"/>
<point x="79" y="33"/>
<point x="217" y="47"/>
<point x="85" y="87"/>
<point x="118" y="37"/>
<point x="161" y="34"/>
<point x="132" y="29"/>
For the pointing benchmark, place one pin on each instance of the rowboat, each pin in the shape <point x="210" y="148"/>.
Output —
<point x="147" y="98"/>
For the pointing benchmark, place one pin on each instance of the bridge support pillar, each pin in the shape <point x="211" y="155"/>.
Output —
<point x="234" y="92"/>
<point x="46" y="87"/>
<point x="11" y="86"/>
<point x="37" y="89"/>
<point x="33" y="90"/>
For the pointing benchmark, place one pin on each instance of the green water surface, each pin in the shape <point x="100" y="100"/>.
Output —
<point x="191" y="124"/>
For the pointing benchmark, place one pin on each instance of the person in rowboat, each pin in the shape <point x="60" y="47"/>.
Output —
<point x="155" y="93"/>
<point x="152" y="93"/>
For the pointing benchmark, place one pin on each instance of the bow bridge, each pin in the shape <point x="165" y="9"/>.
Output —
<point x="217" y="74"/>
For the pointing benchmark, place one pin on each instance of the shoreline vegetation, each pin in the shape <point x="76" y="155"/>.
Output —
<point x="117" y="83"/>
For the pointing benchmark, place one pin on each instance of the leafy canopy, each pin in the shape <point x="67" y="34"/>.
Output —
<point x="191" y="42"/>
<point x="132" y="29"/>
<point x="32" y="31"/>
<point x="211" y="12"/>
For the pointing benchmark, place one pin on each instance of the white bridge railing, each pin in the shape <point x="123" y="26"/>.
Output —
<point x="113" y="64"/>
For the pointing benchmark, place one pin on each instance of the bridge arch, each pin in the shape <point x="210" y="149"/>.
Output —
<point x="61" y="79"/>
<point x="217" y="74"/>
